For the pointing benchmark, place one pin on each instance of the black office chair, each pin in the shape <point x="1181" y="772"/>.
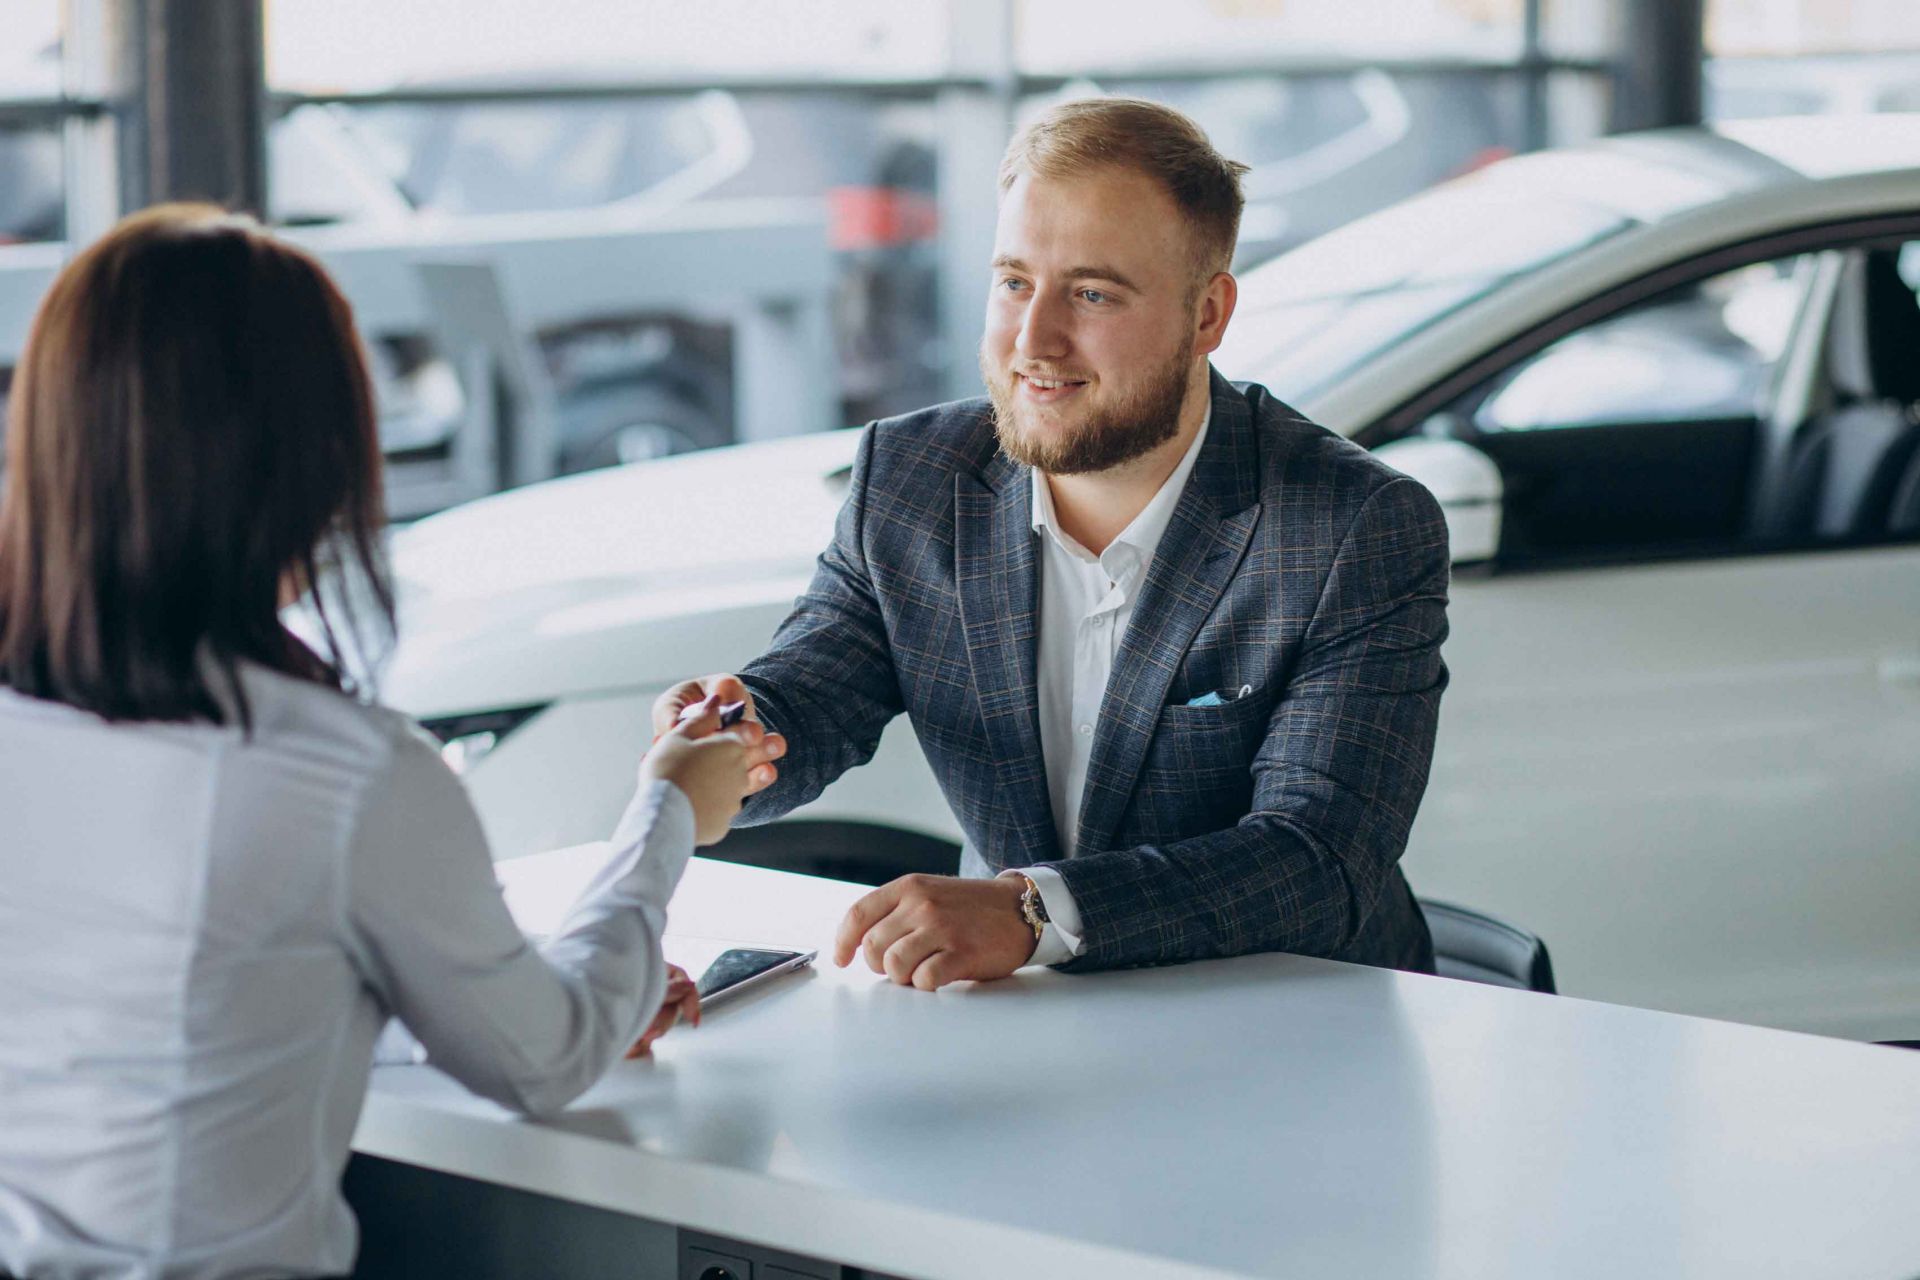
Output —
<point x="1467" y="944"/>
<point x="863" y="852"/>
<point x="1479" y="948"/>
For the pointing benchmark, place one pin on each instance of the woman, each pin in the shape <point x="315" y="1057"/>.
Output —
<point x="220" y="871"/>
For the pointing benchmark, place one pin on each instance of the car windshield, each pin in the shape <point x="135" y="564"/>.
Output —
<point x="1310" y="317"/>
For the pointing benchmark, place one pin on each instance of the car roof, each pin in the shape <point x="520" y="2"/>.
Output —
<point x="1678" y="193"/>
<point x="1661" y="173"/>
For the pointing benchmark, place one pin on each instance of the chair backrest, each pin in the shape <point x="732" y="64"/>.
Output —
<point x="863" y="852"/>
<point x="1903" y="516"/>
<point x="1467" y="944"/>
<point x="1478" y="947"/>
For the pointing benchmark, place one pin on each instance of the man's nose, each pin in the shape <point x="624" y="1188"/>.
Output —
<point x="1043" y="330"/>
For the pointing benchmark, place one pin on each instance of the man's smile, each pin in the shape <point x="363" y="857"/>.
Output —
<point x="1047" y="390"/>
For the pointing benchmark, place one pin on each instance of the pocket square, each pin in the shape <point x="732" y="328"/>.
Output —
<point x="1220" y="697"/>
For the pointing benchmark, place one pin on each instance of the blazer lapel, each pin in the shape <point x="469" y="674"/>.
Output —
<point x="998" y="582"/>
<point x="1192" y="568"/>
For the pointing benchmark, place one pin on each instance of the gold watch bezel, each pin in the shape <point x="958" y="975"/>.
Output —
<point x="1033" y="907"/>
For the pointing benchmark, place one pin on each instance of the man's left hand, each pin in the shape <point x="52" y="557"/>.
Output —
<point x="931" y="930"/>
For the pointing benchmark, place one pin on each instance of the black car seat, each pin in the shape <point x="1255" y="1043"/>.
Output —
<point x="1903" y="520"/>
<point x="1846" y="466"/>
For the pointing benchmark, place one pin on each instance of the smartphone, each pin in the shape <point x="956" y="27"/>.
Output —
<point x="743" y="967"/>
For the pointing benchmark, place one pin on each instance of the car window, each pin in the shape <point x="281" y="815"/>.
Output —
<point x="1656" y="432"/>
<point x="1703" y="352"/>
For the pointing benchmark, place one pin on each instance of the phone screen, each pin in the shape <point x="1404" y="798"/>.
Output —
<point x="737" y="966"/>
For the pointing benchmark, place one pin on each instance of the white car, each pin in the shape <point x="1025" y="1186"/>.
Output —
<point x="1666" y="388"/>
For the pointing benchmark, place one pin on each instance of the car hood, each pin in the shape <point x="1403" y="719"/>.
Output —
<point x="616" y="579"/>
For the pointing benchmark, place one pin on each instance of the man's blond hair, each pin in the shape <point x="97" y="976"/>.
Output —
<point x="1075" y="138"/>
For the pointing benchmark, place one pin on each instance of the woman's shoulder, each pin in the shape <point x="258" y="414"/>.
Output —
<point x="289" y="713"/>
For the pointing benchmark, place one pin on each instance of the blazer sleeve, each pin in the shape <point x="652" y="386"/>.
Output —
<point x="827" y="680"/>
<point x="1336" y="780"/>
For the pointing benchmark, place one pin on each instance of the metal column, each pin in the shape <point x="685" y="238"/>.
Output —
<point x="1660" y="67"/>
<point x="188" y="98"/>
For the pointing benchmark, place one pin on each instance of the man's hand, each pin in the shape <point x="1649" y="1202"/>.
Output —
<point x="668" y="706"/>
<point x="682" y="1001"/>
<point x="932" y="930"/>
<point x="723" y="689"/>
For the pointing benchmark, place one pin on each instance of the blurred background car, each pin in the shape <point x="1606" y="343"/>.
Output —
<point x="1668" y="399"/>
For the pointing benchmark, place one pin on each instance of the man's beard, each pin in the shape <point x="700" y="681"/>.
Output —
<point x="1105" y="436"/>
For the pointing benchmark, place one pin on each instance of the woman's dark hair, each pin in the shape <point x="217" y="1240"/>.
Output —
<point x="191" y="444"/>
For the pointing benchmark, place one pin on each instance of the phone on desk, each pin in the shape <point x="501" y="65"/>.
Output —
<point x="744" y="967"/>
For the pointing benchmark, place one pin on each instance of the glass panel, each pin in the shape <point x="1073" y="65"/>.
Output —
<point x="32" y="194"/>
<point x="1702" y="353"/>
<point x="1069" y="37"/>
<point x="635" y="381"/>
<point x="1736" y="27"/>
<point x="369" y="45"/>
<point x="1578" y="28"/>
<point x="1741" y="88"/>
<point x="1326" y="149"/>
<point x="1656" y="432"/>
<point x="30" y="53"/>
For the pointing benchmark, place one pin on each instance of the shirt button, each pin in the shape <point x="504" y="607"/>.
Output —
<point x="1086" y="731"/>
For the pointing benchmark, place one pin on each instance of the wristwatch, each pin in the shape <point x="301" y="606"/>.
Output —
<point x="1033" y="908"/>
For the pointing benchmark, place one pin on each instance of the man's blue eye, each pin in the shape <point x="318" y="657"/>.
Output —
<point x="1093" y="295"/>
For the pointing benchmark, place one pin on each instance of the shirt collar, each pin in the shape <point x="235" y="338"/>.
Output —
<point x="1138" y="541"/>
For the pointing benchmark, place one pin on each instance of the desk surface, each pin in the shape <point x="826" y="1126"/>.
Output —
<point x="1270" y="1115"/>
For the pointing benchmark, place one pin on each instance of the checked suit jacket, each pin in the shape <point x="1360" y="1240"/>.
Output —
<point x="1295" y="563"/>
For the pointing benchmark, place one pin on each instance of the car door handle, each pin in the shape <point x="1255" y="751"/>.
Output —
<point x="1901" y="669"/>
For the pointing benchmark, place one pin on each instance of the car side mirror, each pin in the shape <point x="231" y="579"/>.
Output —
<point x="1466" y="483"/>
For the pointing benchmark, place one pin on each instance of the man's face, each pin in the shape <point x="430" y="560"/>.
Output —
<point x="1090" y="337"/>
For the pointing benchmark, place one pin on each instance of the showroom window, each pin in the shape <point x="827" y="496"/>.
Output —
<point x="37" y="117"/>
<point x="1802" y="57"/>
<point x="829" y="168"/>
<point x="32" y="195"/>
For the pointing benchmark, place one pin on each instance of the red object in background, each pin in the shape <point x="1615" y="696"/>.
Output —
<point x="875" y="217"/>
<point x="1481" y="159"/>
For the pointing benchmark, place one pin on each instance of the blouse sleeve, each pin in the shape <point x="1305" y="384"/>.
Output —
<point x="530" y="1028"/>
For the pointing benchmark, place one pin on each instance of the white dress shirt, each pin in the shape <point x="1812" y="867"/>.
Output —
<point x="201" y="935"/>
<point x="1086" y="602"/>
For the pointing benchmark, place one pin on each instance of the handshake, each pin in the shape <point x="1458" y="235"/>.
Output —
<point x="921" y="931"/>
<point x="708" y="742"/>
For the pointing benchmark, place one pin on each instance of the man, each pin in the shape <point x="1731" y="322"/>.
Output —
<point x="1172" y="651"/>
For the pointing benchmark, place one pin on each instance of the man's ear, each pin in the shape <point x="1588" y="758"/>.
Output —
<point x="1211" y="314"/>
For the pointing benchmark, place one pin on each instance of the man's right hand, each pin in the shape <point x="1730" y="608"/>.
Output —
<point x="668" y="706"/>
<point x="725" y="688"/>
<point x="715" y="770"/>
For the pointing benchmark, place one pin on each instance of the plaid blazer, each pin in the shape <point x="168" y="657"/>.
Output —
<point x="1295" y="563"/>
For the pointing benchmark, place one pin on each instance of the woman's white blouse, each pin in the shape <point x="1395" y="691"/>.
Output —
<point x="201" y="936"/>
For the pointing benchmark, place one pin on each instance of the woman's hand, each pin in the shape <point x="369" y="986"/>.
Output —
<point x="682" y="1001"/>
<point x="716" y="770"/>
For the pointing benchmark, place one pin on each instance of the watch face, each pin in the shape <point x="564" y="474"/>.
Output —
<point x="1033" y="907"/>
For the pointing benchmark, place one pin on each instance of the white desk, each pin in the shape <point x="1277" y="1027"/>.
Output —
<point x="1268" y="1116"/>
